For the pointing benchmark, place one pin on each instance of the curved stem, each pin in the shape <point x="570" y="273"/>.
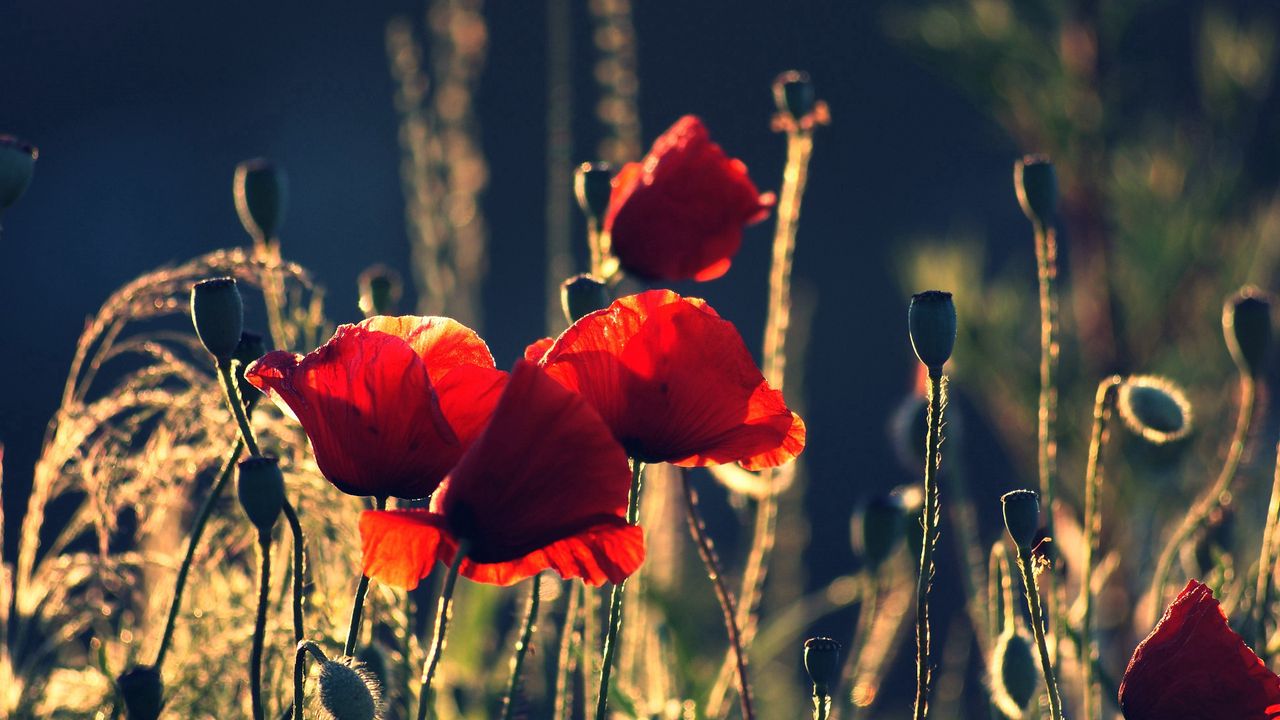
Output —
<point x="1104" y="402"/>
<point x="1025" y="564"/>
<point x="1266" y="569"/>
<point x="260" y="624"/>
<point x="707" y="551"/>
<point x="357" y="607"/>
<point x="570" y="652"/>
<point x="821" y="707"/>
<point x="522" y="647"/>
<point x="299" y="569"/>
<point x="937" y="401"/>
<point x="231" y="391"/>
<point x="300" y="673"/>
<point x="615" y="601"/>
<point x="444" y="611"/>
<point x="1210" y="500"/>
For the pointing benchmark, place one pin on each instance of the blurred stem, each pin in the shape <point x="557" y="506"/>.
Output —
<point x="260" y="624"/>
<point x="821" y="707"/>
<point x="999" y="606"/>
<point x="444" y="611"/>
<point x="615" y="600"/>
<point x="870" y="592"/>
<point x="570" y="651"/>
<point x="595" y="235"/>
<point x="522" y="647"/>
<point x="1104" y="403"/>
<point x="1046" y="238"/>
<point x="1215" y="496"/>
<point x="357" y="607"/>
<point x="1266" y="569"/>
<point x="1027" y="566"/>
<point x="300" y="674"/>
<point x="267" y="252"/>
<point x="937" y="401"/>
<point x="707" y="551"/>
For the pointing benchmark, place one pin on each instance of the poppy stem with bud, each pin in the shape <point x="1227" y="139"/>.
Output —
<point x="615" y="600"/>
<point x="529" y="627"/>
<point x="260" y="624"/>
<point x="357" y="606"/>
<point x="300" y="673"/>
<point x="444" y="612"/>
<point x="1022" y="521"/>
<point x="1104" y="404"/>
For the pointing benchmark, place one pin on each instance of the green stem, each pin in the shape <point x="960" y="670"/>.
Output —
<point x="937" y="400"/>
<point x="1266" y="568"/>
<point x="260" y="624"/>
<point x="999" y="604"/>
<point x="522" y="647"/>
<point x="1046" y="240"/>
<point x="615" y="601"/>
<point x="1104" y="402"/>
<point x="357" y="607"/>
<point x="570" y="651"/>
<point x="426" y="698"/>
<point x="300" y="674"/>
<point x="197" y="532"/>
<point x="1025" y="564"/>
<point x="231" y="391"/>
<point x="299" y="568"/>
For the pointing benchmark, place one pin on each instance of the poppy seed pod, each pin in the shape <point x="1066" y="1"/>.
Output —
<point x="346" y="690"/>
<point x="593" y="185"/>
<point x="878" y="528"/>
<point x="932" y="322"/>
<point x="1155" y="409"/>
<point x="1015" y="673"/>
<point x="142" y="690"/>
<point x="1021" y="516"/>
<point x="794" y="95"/>
<point x="1036" y="183"/>
<point x="17" y="163"/>
<point x="1246" y="322"/>
<point x="582" y="295"/>
<point x="822" y="662"/>
<point x="261" y="191"/>
<point x="261" y="491"/>
<point x="218" y="314"/>
<point x="380" y="290"/>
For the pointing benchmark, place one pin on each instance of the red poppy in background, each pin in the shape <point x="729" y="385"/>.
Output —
<point x="545" y="487"/>
<point x="675" y="383"/>
<point x="390" y="404"/>
<point x="679" y="214"/>
<point x="1194" y="666"/>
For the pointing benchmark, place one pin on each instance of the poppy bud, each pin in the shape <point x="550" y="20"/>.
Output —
<point x="1015" y="673"/>
<point x="593" y="185"/>
<point x="261" y="491"/>
<point x="582" y="295"/>
<point x="822" y="662"/>
<point x="1021" y="516"/>
<point x="1246" y="322"/>
<point x="380" y="290"/>
<point x="17" y="163"/>
<point x="218" y="314"/>
<point x="250" y="348"/>
<point x="262" y="195"/>
<point x="932" y="321"/>
<point x="878" y="528"/>
<point x="794" y="95"/>
<point x="142" y="691"/>
<point x="1037" y="185"/>
<point x="346" y="690"/>
<point x="1155" y="409"/>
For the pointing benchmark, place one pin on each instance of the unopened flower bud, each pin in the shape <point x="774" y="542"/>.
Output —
<point x="593" y="185"/>
<point x="262" y="195"/>
<point x="380" y="290"/>
<point x="218" y="314"/>
<point x="582" y="295"/>
<point x="250" y="348"/>
<point x="822" y="662"/>
<point x="1015" y="673"/>
<point x="1037" y="185"/>
<point x="878" y="528"/>
<point x="142" y="690"/>
<point x="17" y="163"/>
<point x="261" y="491"/>
<point x="794" y="95"/>
<point x="346" y="690"/>
<point x="1022" y="516"/>
<point x="932" y="322"/>
<point x="1246" y="322"/>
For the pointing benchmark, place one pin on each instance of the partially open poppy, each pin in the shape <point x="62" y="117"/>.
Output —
<point x="1194" y="666"/>
<point x="544" y="487"/>
<point x="675" y="383"/>
<point x="390" y="404"/>
<point x="679" y="214"/>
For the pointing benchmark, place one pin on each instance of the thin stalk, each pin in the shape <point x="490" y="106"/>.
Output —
<point x="1210" y="500"/>
<point x="193" y="542"/>
<point x="522" y="647"/>
<point x="821" y="707"/>
<point x="300" y="674"/>
<point x="937" y="401"/>
<point x="999" y="605"/>
<point x="444" y="611"/>
<point x="870" y="602"/>
<point x="357" y="607"/>
<point x="299" y="568"/>
<point x="1266" y="569"/>
<point x="1046" y="239"/>
<point x="615" y="601"/>
<point x="1025" y="564"/>
<point x="570" y="651"/>
<point x="1104" y="402"/>
<point x="707" y="551"/>
<point x="235" y="402"/>
<point x="260" y="624"/>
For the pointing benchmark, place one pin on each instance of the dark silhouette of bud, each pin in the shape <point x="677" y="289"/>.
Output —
<point x="1246" y="322"/>
<point x="17" y="163"/>
<point x="1022" y="516"/>
<point x="218" y="314"/>
<point x="932" y="322"/>
<point x="346" y="690"/>
<point x="142" y="691"/>
<point x="794" y="95"/>
<point x="250" y="348"/>
<point x="879" y="528"/>
<point x="261" y="491"/>
<point x="1037" y="185"/>
<point x="582" y="295"/>
<point x="822" y="662"/>
<point x="262" y="195"/>
<point x="380" y="290"/>
<point x="1155" y="409"/>
<point x="593" y="184"/>
<point x="1015" y="673"/>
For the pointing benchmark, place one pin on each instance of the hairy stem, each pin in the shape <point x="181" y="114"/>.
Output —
<point x="260" y="624"/>
<point x="231" y="391"/>
<point x="1026" y="565"/>
<point x="300" y="674"/>
<point x="299" y="568"/>
<point x="357" y="606"/>
<point x="444" y="611"/>
<point x="522" y="647"/>
<point x="937" y="401"/>
<point x="570" y="652"/>
<point x="615" y="601"/>
<point x="1103" y="404"/>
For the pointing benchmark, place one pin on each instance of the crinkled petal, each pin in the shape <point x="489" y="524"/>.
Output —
<point x="442" y="343"/>
<point x="609" y="552"/>
<point x="400" y="547"/>
<point x="537" y="349"/>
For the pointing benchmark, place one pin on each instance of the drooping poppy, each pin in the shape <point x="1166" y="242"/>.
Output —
<point x="679" y="213"/>
<point x="1193" y="665"/>
<point x="544" y="487"/>
<point x="675" y="383"/>
<point x="390" y="404"/>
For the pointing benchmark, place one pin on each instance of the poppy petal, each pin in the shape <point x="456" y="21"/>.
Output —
<point x="400" y="547"/>
<point x="537" y="349"/>
<point x="467" y="396"/>
<point x="609" y="552"/>
<point x="442" y="343"/>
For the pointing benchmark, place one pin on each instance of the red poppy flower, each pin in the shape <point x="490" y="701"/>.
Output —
<point x="391" y="404"/>
<point x="679" y="214"/>
<point x="676" y="384"/>
<point x="545" y="487"/>
<point x="1194" y="666"/>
